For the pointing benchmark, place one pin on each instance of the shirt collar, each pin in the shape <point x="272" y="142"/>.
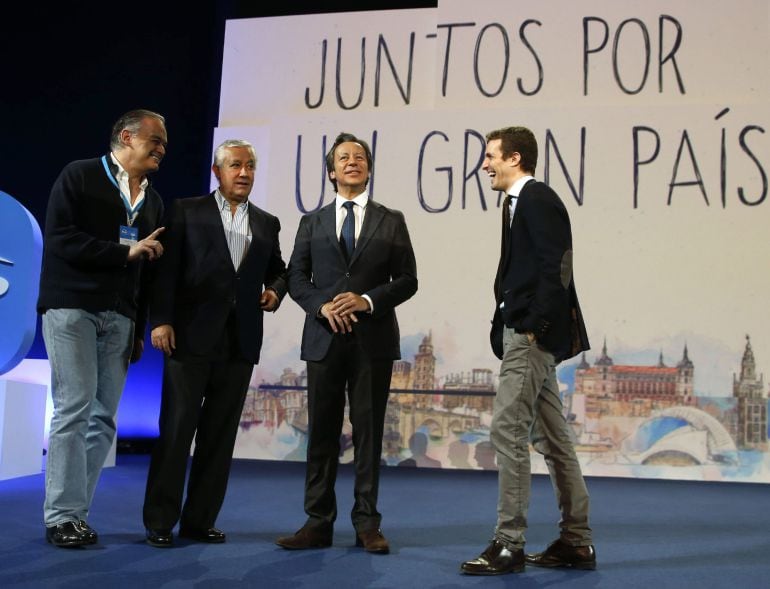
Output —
<point x="515" y="190"/>
<point x="223" y="203"/>
<point x="360" y="200"/>
<point x="122" y="175"/>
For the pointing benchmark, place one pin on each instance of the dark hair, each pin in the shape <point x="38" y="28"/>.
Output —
<point x="344" y="138"/>
<point x="132" y="121"/>
<point x="519" y="140"/>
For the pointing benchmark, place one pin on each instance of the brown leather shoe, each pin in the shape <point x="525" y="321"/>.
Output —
<point x="495" y="560"/>
<point x="373" y="541"/>
<point x="561" y="554"/>
<point x="305" y="537"/>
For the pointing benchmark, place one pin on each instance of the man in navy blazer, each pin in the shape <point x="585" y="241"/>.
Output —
<point x="351" y="266"/>
<point x="542" y="325"/>
<point x="206" y="314"/>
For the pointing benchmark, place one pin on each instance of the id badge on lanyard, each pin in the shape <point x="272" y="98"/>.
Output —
<point x="128" y="235"/>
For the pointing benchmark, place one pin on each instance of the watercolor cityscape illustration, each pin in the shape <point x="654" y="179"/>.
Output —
<point x="644" y="421"/>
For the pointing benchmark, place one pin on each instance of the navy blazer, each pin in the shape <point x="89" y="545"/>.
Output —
<point x="197" y="287"/>
<point x="382" y="266"/>
<point x="535" y="280"/>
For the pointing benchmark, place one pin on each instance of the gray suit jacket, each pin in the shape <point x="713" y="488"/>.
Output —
<point x="382" y="266"/>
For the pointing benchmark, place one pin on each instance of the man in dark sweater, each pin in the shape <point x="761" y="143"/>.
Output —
<point x="102" y="223"/>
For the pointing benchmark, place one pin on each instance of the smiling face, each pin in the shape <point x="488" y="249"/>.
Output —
<point x="351" y="169"/>
<point x="502" y="171"/>
<point x="144" y="149"/>
<point x="236" y="174"/>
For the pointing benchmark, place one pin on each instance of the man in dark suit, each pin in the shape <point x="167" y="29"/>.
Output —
<point x="536" y="298"/>
<point x="351" y="266"/>
<point x="206" y="314"/>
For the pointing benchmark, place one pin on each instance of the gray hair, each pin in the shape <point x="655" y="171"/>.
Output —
<point x="132" y="122"/>
<point x="219" y="152"/>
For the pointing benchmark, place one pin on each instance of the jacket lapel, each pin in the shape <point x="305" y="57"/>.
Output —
<point x="522" y="192"/>
<point x="218" y="231"/>
<point x="507" y="245"/>
<point x="372" y="219"/>
<point x="328" y="218"/>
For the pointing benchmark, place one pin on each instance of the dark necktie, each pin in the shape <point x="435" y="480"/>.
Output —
<point x="507" y="214"/>
<point x="504" y="244"/>
<point x="348" y="233"/>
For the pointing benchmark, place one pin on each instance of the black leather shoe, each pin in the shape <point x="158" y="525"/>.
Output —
<point x="495" y="560"/>
<point x="159" y="538"/>
<point x="210" y="535"/>
<point x="306" y="537"/>
<point x="67" y="535"/>
<point x="373" y="541"/>
<point x="90" y="533"/>
<point x="561" y="554"/>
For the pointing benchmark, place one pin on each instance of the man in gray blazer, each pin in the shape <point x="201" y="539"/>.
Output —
<point x="351" y="266"/>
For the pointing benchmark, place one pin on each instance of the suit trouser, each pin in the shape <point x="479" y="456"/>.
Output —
<point x="346" y="365"/>
<point x="528" y="404"/>
<point x="202" y="398"/>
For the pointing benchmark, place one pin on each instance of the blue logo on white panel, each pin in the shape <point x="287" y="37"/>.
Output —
<point x="21" y="247"/>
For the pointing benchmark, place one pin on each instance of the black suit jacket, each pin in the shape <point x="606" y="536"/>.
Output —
<point x="535" y="280"/>
<point x="197" y="287"/>
<point x="382" y="266"/>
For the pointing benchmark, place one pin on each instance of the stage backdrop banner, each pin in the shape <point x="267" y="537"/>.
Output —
<point x="651" y="123"/>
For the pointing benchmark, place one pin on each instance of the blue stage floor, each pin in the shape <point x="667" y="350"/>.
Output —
<point x="652" y="534"/>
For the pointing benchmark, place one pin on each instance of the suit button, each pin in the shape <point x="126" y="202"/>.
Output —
<point x="347" y="274"/>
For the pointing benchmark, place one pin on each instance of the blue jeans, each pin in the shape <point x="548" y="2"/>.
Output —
<point x="528" y="406"/>
<point x="89" y="355"/>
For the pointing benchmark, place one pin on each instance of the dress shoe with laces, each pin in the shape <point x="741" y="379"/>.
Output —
<point x="159" y="538"/>
<point x="373" y="541"/>
<point x="91" y="536"/>
<point x="561" y="554"/>
<point x="495" y="560"/>
<point x="67" y="535"/>
<point x="209" y="535"/>
<point x="306" y="537"/>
